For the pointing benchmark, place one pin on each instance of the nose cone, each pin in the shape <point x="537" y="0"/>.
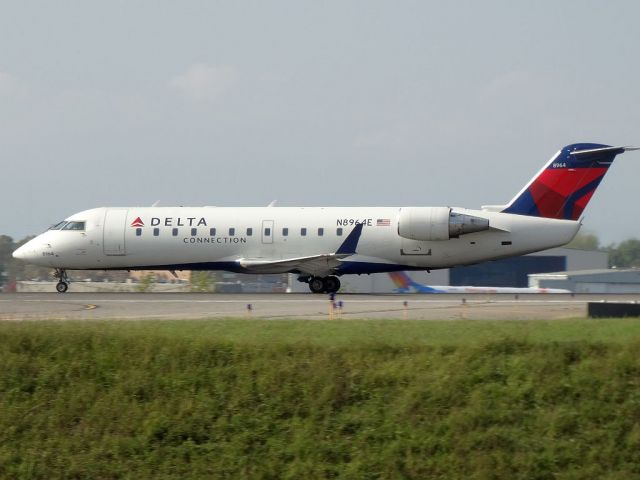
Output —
<point x="20" y="253"/>
<point x="26" y="252"/>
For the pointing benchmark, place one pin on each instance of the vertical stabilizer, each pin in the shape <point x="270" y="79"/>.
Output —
<point x="563" y="188"/>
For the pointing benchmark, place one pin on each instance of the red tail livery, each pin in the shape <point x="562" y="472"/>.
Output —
<point x="563" y="188"/>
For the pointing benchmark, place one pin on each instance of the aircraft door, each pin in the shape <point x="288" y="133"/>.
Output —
<point x="267" y="231"/>
<point x="115" y="221"/>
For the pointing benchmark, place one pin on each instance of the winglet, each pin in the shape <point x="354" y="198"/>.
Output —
<point x="350" y="243"/>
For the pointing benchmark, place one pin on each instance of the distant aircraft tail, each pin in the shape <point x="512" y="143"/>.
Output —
<point x="401" y="280"/>
<point x="405" y="284"/>
<point x="564" y="186"/>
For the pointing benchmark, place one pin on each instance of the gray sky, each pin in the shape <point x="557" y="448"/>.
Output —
<point x="311" y="103"/>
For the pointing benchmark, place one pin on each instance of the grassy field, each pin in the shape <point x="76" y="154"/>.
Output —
<point x="320" y="399"/>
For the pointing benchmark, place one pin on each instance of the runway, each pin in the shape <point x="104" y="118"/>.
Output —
<point x="139" y="306"/>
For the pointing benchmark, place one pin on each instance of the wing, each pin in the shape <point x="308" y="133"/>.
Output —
<point x="318" y="265"/>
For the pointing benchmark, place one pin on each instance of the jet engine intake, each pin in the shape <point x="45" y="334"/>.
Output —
<point x="437" y="223"/>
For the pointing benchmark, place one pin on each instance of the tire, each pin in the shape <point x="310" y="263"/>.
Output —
<point x="62" y="287"/>
<point x="317" y="285"/>
<point x="332" y="284"/>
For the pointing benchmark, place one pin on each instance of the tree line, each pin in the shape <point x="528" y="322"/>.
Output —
<point x="621" y="255"/>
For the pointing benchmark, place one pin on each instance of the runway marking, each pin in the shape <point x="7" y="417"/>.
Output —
<point x="249" y="300"/>
<point x="90" y="307"/>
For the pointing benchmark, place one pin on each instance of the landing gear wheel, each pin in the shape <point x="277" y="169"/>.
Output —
<point x="317" y="285"/>
<point x="324" y="284"/>
<point x="63" y="280"/>
<point x="332" y="284"/>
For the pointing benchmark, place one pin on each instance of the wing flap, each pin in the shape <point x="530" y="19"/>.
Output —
<point x="320" y="265"/>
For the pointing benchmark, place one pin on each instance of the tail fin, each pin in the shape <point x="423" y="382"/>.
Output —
<point x="401" y="280"/>
<point x="405" y="283"/>
<point x="564" y="186"/>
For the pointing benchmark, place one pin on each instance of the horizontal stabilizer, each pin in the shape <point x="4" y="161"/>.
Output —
<point x="592" y="151"/>
<point x="493" y="208"/>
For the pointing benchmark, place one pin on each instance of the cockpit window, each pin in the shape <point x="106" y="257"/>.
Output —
<point x="74" y="226"/>
<point x="58" y="226"/>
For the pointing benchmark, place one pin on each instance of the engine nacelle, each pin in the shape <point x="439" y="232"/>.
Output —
<point x="437" y="223"/>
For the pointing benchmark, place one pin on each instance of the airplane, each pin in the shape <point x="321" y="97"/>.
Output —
<point x="405" y="284"/>
<point x="320" y="244"/>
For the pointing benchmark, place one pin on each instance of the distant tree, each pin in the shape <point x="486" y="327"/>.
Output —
<point x="14" y="269"/>
<point x="584" y="241"/>
<point x="626" y="254"/>
<point x="6" y="248"/>
<point x="146" y="282"/>
<point x="202" y="282"/>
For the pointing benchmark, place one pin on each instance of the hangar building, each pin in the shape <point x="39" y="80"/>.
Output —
<point x="613" y="280"/>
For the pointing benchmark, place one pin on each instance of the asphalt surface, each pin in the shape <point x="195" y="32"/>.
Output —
<point x="136" y="306"/>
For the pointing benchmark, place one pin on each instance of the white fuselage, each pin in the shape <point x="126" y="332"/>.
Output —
<point x="210" y="238"/>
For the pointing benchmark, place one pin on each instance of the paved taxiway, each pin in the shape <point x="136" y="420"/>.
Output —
<point x="86" y="306"/>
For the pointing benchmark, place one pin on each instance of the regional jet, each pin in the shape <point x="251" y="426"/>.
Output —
<point x="320" y="244"/>
<point x="405" y="284"/>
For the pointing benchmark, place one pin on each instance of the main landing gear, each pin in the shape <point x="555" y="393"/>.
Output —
<point x="63" y="281"/>
<point x="324" y="284"/>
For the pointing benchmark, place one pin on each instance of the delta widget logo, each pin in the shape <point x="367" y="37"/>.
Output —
<point x="137" y="222"/>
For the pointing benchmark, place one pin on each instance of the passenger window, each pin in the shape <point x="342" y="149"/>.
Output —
<point x="194" y="232"/>
<point x="267" y="232"/>
<point x="212" y="232"/>
<point x="339" y="231"/>
<point x="303" y="232"/>
<point x="249" y="232"/>
<point x="175" y="232"/>
<point x="320" y="231"/>
<point x="138" y="232"/>
<point x="74" y="226"/>
<point x="156" y="232"/>
<point x="232" y="232"/>
<point x="285" y="232"/>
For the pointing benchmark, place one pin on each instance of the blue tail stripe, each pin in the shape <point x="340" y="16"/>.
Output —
<point x="524" y="205"/>
<point x="578" y="194"/>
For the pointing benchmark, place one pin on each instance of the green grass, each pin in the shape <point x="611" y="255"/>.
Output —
<point x="320" y="399"/>
<point x="340" y="333"/>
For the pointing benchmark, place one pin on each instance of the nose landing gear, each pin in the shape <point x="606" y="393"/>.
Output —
<point x="63" y="281"/>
